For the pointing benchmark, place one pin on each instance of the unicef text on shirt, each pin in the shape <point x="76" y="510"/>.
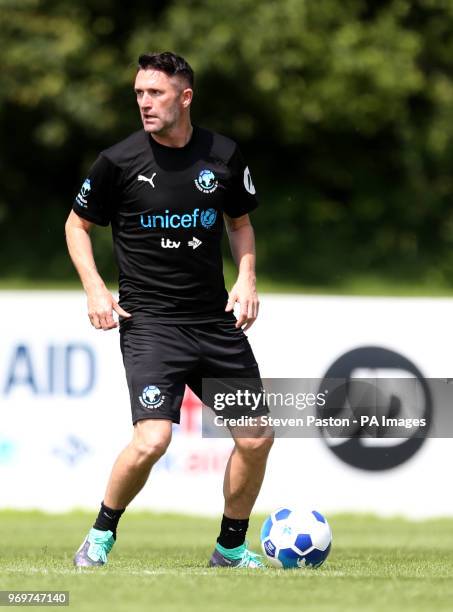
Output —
<point x="205" y="218"/>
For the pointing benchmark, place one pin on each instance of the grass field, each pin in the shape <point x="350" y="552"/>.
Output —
<point x="159" y="563"/>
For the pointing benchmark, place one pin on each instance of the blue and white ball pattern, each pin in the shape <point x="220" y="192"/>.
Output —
<point x="151" y="395"/>
<point x="292" y="538"/>
<point x="206" y="178"/>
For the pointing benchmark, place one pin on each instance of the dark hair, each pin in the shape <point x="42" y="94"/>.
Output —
<point x="167" y="62"/>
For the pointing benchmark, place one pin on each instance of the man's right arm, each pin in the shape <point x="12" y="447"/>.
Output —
<point x="101" y="302"/>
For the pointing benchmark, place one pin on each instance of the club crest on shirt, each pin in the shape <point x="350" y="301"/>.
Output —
<point x="86" y="187"/>
<point x="81" y="198"/>
<point x="206" y="181"/>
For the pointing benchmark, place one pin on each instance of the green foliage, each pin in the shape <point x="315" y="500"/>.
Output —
<point x="344" y="111"/>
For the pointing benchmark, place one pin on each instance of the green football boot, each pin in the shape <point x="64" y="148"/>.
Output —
<point x="94" y="549"/>
<point x="240" y="556"/>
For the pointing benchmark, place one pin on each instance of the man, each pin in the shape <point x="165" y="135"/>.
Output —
<point x="164" y="190"/>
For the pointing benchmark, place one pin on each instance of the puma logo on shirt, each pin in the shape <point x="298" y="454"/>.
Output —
<point x="140" y="177"/>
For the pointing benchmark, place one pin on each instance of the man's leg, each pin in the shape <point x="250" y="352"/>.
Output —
<point x="227" y="358"/>
<point x="131" y="469"/>
<point x="244" y="475"/>
<point x="129" y="474"/>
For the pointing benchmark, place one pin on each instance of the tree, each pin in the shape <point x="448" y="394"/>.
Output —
<point x="343" y="110"/>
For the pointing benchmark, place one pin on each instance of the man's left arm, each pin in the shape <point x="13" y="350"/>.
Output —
<point x="242" y="244"/>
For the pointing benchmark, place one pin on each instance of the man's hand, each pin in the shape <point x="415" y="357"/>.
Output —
<point x="100" y="301"/>
<point x="244" y="292"/>
<point x="101" y="305"/>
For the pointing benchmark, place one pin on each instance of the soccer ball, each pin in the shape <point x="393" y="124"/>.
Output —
<point x="292" y="538"/>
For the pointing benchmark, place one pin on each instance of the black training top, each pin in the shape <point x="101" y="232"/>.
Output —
<point x="165" y="206"/>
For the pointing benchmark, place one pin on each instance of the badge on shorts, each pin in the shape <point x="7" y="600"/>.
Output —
<point x="151" y="397"/>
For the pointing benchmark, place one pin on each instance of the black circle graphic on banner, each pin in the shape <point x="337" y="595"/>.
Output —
<point x="353" y="451"/>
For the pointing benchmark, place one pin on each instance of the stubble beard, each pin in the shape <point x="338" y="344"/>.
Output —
<point x="163" y="127"/>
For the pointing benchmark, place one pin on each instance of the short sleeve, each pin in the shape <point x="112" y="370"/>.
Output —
<point x="241" y="198"/>
<point x="96" y="198"/>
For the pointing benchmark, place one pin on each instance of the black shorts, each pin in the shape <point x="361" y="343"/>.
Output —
<point x="160" y="359"/>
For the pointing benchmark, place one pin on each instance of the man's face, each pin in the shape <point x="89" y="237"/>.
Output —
<point x="161" y="99"/>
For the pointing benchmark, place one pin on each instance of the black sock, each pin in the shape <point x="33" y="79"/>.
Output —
<point x="232" y="532"/>
<point x="107" y="519"/>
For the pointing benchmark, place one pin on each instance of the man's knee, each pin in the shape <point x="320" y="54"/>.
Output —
<point x="255" y="448"/>
<point x="150" y="442"/>
<point x="149" y="450"/>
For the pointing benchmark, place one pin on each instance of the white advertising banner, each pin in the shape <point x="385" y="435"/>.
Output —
<point x="65" y="415"/>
